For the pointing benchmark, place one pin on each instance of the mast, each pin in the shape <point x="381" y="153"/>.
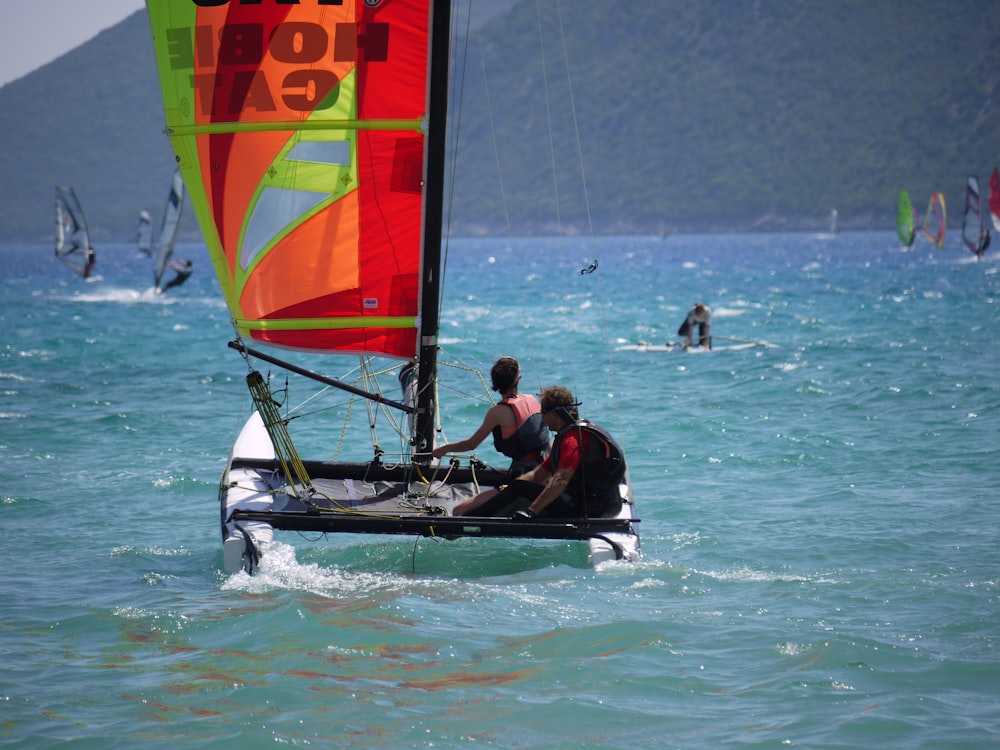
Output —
<point x="424" y="421"/>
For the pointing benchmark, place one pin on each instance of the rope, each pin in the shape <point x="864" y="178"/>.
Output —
<point x="277" y="430"/>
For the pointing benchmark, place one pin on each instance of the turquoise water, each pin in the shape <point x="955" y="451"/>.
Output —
<point x="819" y="527"/>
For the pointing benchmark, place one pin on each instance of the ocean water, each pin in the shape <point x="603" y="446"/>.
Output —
<point x="820" y="531"/>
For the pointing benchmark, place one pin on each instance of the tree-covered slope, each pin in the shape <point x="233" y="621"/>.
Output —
<point x="691" y="115"/>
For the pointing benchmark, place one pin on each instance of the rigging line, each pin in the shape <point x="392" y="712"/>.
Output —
<point x="493" y="134"/>
<point x="548" y="118"/>
<point x="590" y="221"/>
<point x="576" y="128"/>
<point x="552" y="154"/>
<point x="527" y="339"/>
<point x="454" y="106"/>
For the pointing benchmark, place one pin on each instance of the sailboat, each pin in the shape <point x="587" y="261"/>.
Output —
<point x="72" y="237"/>
<point x="995" y="199"/>
<point x="315" y="161"/>
<point x="906" y="219"/>
<point x="168" y="229"/>
<point x="935" y="220"/>
<point x="975" y="235"/>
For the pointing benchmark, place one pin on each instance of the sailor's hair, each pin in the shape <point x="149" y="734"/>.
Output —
<point x="504" y="373"/>
<point x="560" y="399"/>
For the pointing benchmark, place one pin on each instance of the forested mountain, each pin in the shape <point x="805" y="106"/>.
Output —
<point x="728" y="115"/>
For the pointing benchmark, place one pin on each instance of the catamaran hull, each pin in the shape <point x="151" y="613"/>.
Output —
<point x="371" y="498"/>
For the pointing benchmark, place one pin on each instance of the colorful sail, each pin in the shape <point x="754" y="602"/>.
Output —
<point x="168" y="228"/>
<point x="72" y="237"/>
<point x="144" y="234"/>
<point x="935" y="219"/>
<point x="906" y="219"/>
<point x="973" y="230"/>
<point x="300" y="131"/>
<point x="995" y="199"/>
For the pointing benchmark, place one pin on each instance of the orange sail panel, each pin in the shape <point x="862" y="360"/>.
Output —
<point x="300" y="132"/>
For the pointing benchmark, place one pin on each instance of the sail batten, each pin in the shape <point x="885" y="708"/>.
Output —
<point x="318" y="324"/>
<point x="220" y="128"/>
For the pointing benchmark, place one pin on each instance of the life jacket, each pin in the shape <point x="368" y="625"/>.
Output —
<point x="593" y="490"/>
<point x="528" y="445"/>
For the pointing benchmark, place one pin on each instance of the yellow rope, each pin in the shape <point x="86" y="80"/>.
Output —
<point x="291" y="464"/>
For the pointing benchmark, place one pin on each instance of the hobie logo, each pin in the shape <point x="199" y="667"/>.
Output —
<point x="219" y="3"/>
<point x="251" y="66"/>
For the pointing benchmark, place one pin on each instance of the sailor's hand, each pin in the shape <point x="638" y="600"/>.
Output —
<point x="523" y="515"/>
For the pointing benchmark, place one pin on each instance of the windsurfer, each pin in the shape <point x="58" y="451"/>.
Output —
<point x="183" y="270"/>
<point x="578" y="479"/>
<point x="91" y="262"/>
<point x="519" y="432"/>
<point x="701" y="316"/>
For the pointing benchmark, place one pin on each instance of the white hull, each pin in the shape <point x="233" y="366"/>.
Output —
<point x="679" y="348"/>
<point x="246" y="489"/>
<point x="354" y="503"/>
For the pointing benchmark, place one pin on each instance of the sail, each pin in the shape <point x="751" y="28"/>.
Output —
<point x="935" y="218"/>
<point x="906" y="219"/>
<point x="972" y="219"/>
<point x="833" y="222"/>
<point x="300" y="132"/>
<point x="72" y="237"/>
<point x="168" y="228"/>
<point x="995" y="199"/>
<point x="144" y="233"/>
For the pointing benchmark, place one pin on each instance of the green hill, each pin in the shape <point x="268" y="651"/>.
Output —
<point x="728" y="115"/>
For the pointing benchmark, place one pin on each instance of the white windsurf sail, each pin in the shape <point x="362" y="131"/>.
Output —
<point x="144" y="234"/>
<point x="72" y="237"/>
<point x="168" y="229"/>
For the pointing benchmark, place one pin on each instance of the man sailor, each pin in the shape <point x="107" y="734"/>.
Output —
<point x="701" y="316"/>
<point x="183" y="270"/>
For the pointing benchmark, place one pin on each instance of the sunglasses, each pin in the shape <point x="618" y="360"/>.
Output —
<point x="562" y="406"/>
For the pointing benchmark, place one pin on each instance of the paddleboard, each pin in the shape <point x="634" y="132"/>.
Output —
<point x="680" y="348"/>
